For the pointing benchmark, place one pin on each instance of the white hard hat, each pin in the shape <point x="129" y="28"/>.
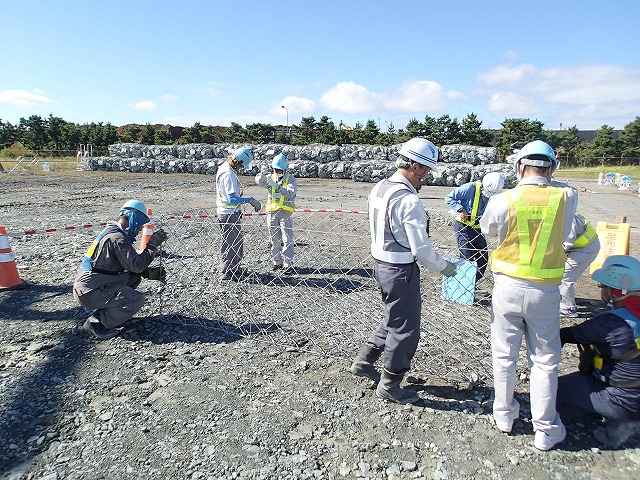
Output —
<point x="422" y="151"/>
<point x="492" y="183"/>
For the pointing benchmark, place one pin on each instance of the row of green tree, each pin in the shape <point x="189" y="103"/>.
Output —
<point x="54" y="133"/>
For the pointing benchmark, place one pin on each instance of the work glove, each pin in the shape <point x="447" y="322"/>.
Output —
<point x="255" y="204"/>
<point x="449" y="270"/>
<point x="264" y="170"/>
<point x="155" y="273"/>
<point x="157" y="238"/>
<point x="272" y="183"/>
<point x="261" y="180"/>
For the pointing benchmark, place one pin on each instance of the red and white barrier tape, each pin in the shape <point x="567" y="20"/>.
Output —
<point x="37" y="231"/>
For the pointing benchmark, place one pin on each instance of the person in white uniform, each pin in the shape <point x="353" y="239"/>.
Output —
<point x="282" y="189"/>
<point x="399" y="239"/>
<point x="229" y="201"/>
<point x="531" y="222"/>
<point x="582" y="247"/>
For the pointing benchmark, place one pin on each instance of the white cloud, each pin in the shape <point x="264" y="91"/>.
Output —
<point x="297" y="107"/>
<point x="506" y="75"/>
<point x="510" y="104"/>
<point x="212" y="89"/>
<point x="584" y="95"/>
<point x="417" y="96"/>
<point x="168" y="97"/>
<point x="349" y="97"/>
<point x="510" y="55"/>
<point x="22" y="98"/>
<point x="412" y="96"/>
<point x="144" y="106"/>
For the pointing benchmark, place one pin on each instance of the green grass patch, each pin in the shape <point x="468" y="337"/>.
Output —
<point x="39" y="164"/>
<point x="592" y="172"/>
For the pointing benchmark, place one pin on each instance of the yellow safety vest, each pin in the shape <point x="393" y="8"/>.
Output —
<point x="276" y="200"/>
<point x="473" y="217"/>
<point x="532" y="249"/>
<point x="588" y="236"/>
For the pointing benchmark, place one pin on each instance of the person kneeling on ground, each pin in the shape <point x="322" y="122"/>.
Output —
<point x="608" y="381"/>
<point x="112" y="269"/>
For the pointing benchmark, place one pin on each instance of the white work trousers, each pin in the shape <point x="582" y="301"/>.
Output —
<point x="281" y="236"/>
<point x="521" y="307"/>
<point x="578" y="260"/>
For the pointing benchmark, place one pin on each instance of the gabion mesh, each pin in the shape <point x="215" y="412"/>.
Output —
<point x="330" y="304"/>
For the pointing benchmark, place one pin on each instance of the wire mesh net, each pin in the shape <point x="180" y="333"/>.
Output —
<point x="330" y="303"/>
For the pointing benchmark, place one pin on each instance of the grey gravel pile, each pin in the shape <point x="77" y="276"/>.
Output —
<point x="361" y="163"/>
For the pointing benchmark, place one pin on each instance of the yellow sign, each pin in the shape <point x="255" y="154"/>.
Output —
<point x="614" y="240"/>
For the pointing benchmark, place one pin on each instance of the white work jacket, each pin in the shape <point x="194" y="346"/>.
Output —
<point x="227" y="183"/>
<point x="403" y="218"/>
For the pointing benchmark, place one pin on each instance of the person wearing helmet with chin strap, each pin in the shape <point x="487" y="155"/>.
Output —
<point x="469" y="202"/>
<point x="282" y="190"/>
<point x="581" y="247"/>
<point x="531" y="222"/>
<point x="607" y="384"/>
<point x="399" y="240"/>
<point x="112" y="269"/>
<point x="229" y="201"/>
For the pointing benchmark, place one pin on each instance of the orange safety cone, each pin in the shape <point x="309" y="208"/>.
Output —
<point x="147" y="232"/>
<point x="9" y="276"/>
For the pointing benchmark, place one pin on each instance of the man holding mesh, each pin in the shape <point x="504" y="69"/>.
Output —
<point x="399" y="240"/>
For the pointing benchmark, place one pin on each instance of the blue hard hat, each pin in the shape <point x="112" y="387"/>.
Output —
<point x="619" y="271"/>
<point x="136" y="213"/>
<point x="135" y="205"/>
<point x="280" y="162"/>
<point x="244" y="156"/>
<point x="536" y="154"/>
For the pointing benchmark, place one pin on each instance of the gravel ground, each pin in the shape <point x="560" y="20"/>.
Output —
<point x="168" y="400"/>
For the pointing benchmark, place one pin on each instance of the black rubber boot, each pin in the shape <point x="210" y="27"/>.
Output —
<point x="389" y="389"/>
<point x="362" y="366"/>
<point x="616" y="434"/>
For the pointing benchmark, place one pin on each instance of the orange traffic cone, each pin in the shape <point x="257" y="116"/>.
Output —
<point x="147" y="232"/>
<point x="9" y="277"/>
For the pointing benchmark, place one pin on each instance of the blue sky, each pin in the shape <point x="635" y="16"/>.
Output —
<point x="217" y="62"/>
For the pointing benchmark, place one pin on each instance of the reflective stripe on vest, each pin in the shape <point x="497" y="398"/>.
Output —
<point x="384" y="246"/>
<point x="276" y="200"/>
<point x="588" y="236"/>
<point x="532" y="249"/>
<point x="87" y="260"/>
<point x="598" y="360"/>
<point x="220" y="201"/>
<point x="473" y="217"/>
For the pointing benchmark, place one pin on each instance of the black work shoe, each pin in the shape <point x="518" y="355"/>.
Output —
<point x="98" y="330"/>
<point x="234" y="275"/>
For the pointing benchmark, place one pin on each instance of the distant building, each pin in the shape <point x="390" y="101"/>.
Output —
<point x="588" y="135"/>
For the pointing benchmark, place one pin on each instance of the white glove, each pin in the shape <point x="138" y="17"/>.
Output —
<point x="255" y="204"/>
<point x="264" y="170"/>
<point x="261" y="180"/>
<point x="271" y="182"/>
<point x="449" y="270"/>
